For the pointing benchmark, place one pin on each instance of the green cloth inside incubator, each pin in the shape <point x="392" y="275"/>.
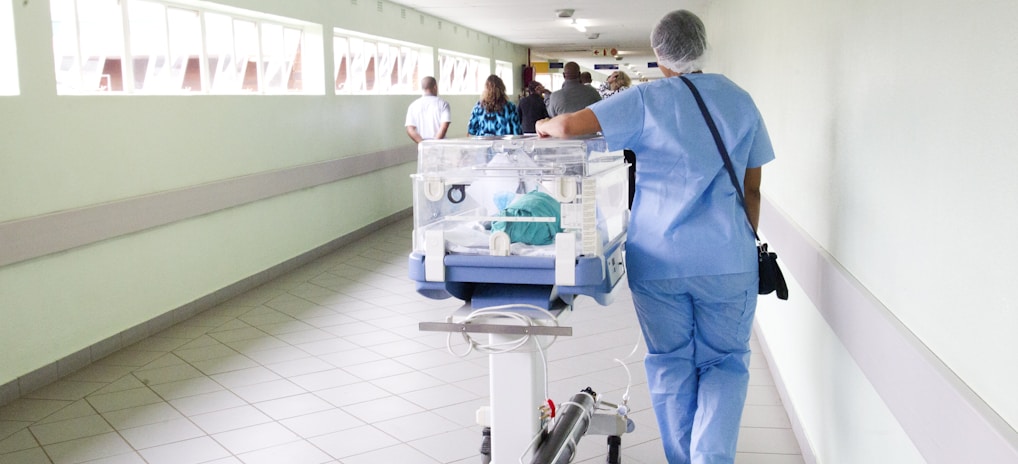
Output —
<point x="533" y="204"/>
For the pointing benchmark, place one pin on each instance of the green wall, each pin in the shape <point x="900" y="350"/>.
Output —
<point x="60" y="154"/>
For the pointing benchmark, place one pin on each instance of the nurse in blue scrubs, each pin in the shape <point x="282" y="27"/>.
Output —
<point x="690" y="252"/>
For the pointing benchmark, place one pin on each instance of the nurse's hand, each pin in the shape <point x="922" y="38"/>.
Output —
<point x="567" y="125"/>
<point x="538" y="127"/>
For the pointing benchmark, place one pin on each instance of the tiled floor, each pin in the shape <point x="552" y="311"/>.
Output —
<point x="327" y="365"/>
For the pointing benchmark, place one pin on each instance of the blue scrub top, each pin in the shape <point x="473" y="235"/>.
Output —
<point x="686" y="219"/>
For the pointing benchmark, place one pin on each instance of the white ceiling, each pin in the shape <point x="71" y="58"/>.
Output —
<point x="624" y="25"/>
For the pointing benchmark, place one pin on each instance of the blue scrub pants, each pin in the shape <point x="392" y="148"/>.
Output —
<point x="697" y="332"/>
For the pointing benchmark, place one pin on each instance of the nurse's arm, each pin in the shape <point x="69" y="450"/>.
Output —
<point x="752" y="192"/>
<point x="582" y="122"/>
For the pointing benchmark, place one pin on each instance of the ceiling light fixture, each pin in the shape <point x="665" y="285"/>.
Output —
<point x="564" y="13"/>
<point x="578" y="26"/>
<point x="593" y="35"/>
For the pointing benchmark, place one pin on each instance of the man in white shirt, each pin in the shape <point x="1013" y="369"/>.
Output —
<point x="428" y="117"/>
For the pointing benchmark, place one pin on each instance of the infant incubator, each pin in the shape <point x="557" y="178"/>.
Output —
<point x="525" y="210"/>
<point x="518" y="228"/>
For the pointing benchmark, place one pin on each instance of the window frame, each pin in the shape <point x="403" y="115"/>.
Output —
<point x="460" y="81"/>
<point x="505" y="71"/>
<point x="374" y="65"/>
<point x="262" y="60"/>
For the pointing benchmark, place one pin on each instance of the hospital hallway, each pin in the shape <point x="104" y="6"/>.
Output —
<point x="326" y="364"/>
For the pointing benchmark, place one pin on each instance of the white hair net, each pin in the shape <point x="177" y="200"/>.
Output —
<point x="679" y="41"/>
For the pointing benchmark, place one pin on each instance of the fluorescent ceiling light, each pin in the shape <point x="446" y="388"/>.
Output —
<point x="578" y="26"/>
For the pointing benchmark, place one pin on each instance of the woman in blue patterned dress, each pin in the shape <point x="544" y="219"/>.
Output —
<point x="494" y="114"/>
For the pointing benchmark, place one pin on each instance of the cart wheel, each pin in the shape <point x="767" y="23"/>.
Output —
<point x="486" y="446"/>
<point x="614" y="449"/>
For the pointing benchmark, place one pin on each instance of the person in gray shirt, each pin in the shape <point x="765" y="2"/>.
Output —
<point x="574" y="95"/>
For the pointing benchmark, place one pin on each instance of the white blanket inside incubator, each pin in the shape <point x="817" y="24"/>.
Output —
<point x="472" y="238"/>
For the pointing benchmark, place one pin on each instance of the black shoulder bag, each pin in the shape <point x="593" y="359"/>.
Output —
<point x="771" y="278"/>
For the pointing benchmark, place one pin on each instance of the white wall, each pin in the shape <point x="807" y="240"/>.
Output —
<point x="892" y="123"/>
<point x="62" y="154"/>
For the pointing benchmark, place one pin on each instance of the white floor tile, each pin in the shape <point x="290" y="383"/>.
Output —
<point x="88" y="449"/>
<point x="268" y="391"/>
<point x="352" y="357"/>
<point x="168" y="374"/>
<point x="298" y="452"/>
<point x="463" y="413"/>
<point x="188" y="387"/>
<point x="359" y="440"/>
<point x="277" y="355"/>
<point x="230" y="419"/>
<point x="326" y="346"/>
<point x="416" y="426"/>
<point x="293" y="368"/>
<point x="757" y="458"/>
<point x="293" y="406"/>
<point x="141" y="415"/>
<point x="767" y="441"/>
<point x="28" y="456"/>
<point x="194" y="451"/>
<point x="224" y="365"/>
<point x="123" y="399"/>
<point x="256" y="437"/>
<point x="390" y="407"/>
<point x="204" y="353"/>
<point x="31" y="410"/>
<point x="439" y="396"/>
<point x="325" y="379"/>
<point x="207" y="402"/>
<point x="450" y="446"/>
<point x="352" y="394"/>
<point x="377" y="369"/>
<point x="56" y="432"/>
<point x="245" y="377"/>
<point x="398" y="453"/>
<point x="326" y="364"/>
<point x="20" y="440"/>
<point x="161" y="433"/>
<point x="321" y="423"/>
<point x="768" y="416"/>
<point x="79" y="408"/>
<point x="408" y="382"/>
<point x="66" y="390"/>
<point x="129" y="458"/>
<point x="129" y="382"/>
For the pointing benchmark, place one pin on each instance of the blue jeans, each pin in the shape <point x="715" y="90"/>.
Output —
<point x="697" y="331"/>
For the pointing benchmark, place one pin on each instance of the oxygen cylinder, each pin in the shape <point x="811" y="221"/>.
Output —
<point x="572" y="422"/>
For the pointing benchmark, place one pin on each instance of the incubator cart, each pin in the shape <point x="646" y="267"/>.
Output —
<point x="521" y="225"/>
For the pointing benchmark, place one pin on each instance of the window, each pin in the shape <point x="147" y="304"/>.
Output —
<point x="367" y="64"/>
<point x="231" y="45"/>
<point x="504" y="70"/>
<point x="165" y="48"/>
<point x="461" y="74"/>
<point x="88" y="46"/>
<point x="175" y="48"/>
<point x="8" y="51"/>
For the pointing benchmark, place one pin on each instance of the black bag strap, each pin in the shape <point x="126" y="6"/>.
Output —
<point x="721" y="149"/>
